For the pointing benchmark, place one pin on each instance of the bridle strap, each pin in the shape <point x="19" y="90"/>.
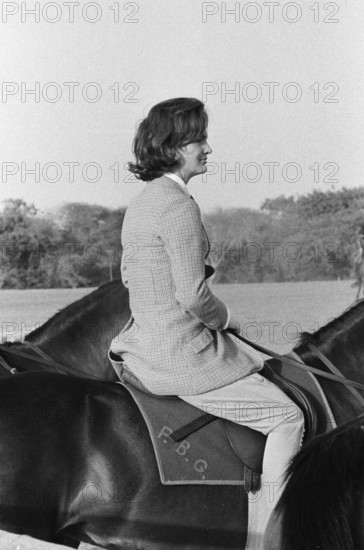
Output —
<point x="287" y="360"/>
<point x="326" y="361"/>
<point x="36" y="349"/>
<point x="43" y="359"/>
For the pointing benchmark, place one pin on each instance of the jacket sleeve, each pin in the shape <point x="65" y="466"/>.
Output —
<point x="180" y="229"/>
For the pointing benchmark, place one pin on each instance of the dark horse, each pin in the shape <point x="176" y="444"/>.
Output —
<point x="76" y="462"/>
<point x="323" y="502"/>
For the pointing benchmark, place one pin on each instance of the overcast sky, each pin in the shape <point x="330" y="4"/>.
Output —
<point x="282" y="82"/>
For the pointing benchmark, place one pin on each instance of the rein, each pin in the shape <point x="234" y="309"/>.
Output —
<point x="333" y="369"/>
<point x="337" y="377"/>
<point x="45" y="360"/>
<point x="40" y="357"/>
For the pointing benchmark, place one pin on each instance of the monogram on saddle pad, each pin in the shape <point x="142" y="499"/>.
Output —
<point x="195" y="448"/>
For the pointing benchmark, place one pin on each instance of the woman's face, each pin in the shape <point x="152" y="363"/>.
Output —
<point x="193" y="157"/>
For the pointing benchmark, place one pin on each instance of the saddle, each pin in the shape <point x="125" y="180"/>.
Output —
<point x="231" y="453"/>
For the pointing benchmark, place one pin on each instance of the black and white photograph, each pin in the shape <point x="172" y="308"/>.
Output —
<point x="182" y="275"/>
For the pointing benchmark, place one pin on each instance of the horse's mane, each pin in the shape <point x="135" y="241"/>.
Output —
<point x="74" y="313"/>
<point x="318" y="503"/>
<point x="335" y="330"/>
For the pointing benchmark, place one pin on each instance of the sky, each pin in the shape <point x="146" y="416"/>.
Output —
<point x="282" y="83"/>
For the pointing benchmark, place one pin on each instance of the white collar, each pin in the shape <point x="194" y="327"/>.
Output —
<point x="179" y="180"/>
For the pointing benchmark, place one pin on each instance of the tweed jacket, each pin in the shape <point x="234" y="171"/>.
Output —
<point x="173" y="342"/>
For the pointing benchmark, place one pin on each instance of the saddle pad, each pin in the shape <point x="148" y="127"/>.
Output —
<point x="205" y="457"/>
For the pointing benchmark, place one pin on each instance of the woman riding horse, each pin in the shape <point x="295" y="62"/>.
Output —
<point x="175" y="342"/>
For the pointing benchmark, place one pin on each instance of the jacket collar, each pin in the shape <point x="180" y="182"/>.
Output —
<point x="168" y="182"/>
<point x="180" y="181"/>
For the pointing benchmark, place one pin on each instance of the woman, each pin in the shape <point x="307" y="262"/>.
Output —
<point x="175" y="342"/>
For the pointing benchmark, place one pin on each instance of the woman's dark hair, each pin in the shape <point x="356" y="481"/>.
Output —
<point x="169" y="125"/>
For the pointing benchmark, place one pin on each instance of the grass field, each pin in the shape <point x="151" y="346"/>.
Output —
<point x="271" y="314"/>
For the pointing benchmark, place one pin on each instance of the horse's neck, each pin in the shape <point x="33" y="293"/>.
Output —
<point x="67" y="342"/>
<point x="83" y="332"/>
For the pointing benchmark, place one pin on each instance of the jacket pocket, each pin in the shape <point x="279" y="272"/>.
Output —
<point x="201" y="341"/>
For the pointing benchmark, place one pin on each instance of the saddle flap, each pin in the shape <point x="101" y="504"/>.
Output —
<point x="247" y="444"/>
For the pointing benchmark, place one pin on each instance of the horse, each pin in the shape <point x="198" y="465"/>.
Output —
<point x="77" y="463"/>
<point x="323" y="501"/>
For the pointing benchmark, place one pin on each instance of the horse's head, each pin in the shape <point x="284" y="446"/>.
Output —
<point x="341" y="340"/>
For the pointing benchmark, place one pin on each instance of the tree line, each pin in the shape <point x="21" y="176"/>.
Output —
<point x="78" y="245"/>
<point x="312" y="237"/>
